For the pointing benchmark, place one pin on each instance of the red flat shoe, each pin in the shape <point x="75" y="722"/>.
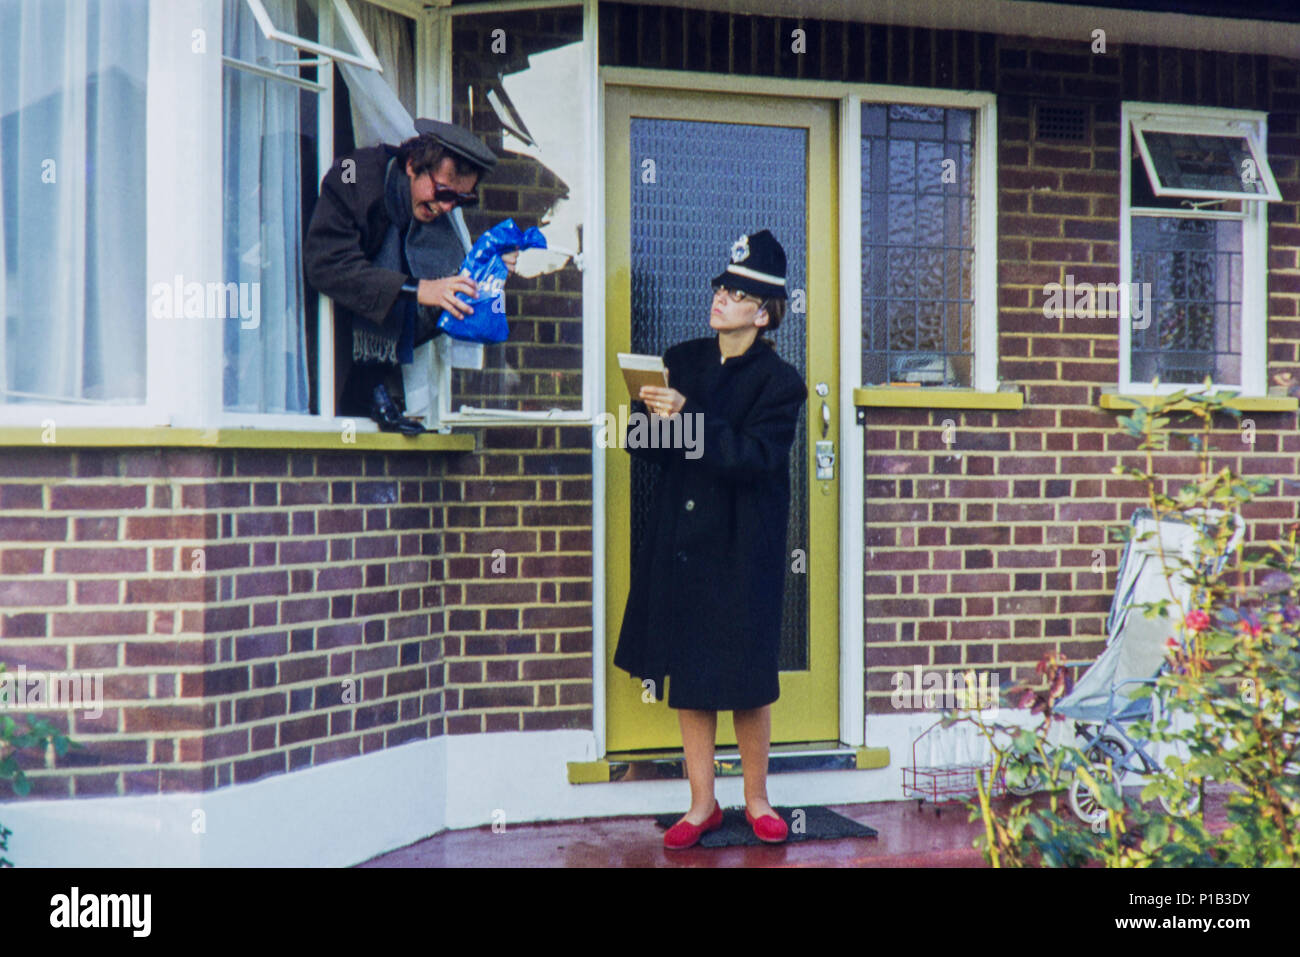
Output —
<point x="685" y="834"/>
<point x="769" y="828"/>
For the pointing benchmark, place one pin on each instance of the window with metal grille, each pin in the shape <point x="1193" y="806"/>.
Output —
<point x="917" y="244"/>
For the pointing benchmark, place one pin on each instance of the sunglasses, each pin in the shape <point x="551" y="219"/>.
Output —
<point x="735" y="295"/>
<point x="445" y="194"/>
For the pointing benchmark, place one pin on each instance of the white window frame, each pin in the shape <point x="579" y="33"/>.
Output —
<point x="984" y="223"/>
<point x="327" y="419"/>
<point x="324" y="50"/>
<point x="165" y="139"/>
<point x="1144" y="123"/>
<point x="1254" y="238"/>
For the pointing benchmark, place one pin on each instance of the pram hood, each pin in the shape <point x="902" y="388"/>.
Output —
<point x="1136" y="644"/>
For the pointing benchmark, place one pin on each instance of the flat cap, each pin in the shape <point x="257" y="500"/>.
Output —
<point x="459" y="140"/>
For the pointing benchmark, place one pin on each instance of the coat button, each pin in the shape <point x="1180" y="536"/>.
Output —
<point x="690" y="504"/>
<point x="681" y="557"/>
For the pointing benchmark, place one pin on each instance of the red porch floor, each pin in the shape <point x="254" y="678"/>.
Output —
<point x="907" y="838"/>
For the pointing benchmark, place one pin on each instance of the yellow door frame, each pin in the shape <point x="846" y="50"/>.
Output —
<point x="808" y="709"/>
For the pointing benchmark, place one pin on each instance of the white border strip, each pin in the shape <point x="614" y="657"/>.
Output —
<point x="852" y="436"/>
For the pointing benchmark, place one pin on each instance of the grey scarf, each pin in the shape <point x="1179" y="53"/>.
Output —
<point x="432" y="250"/>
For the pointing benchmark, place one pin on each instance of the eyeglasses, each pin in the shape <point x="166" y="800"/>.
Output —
<point x="735" y="295"/>
<point x="445" y="194"/>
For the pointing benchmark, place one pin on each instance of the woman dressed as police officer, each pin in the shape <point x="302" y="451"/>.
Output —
<point x="704" y="606"/>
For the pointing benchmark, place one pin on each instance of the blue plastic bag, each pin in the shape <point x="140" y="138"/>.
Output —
<point x="487" y="323"/>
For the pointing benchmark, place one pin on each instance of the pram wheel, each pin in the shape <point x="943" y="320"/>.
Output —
<point x="1033" y="779"/>
<point x="1082" y="801"/>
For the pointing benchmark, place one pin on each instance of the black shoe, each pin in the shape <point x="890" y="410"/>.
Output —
<point x="384" y="411"/>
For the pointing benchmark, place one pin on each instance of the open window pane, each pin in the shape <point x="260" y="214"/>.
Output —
<point x="1204" y="165"/>
<point x="517" y="81"/>
<point x="74" y="297"/>
<point x="315" y="27"/>
<point x="917" y="244"/>
<point x="1187" y="315"/>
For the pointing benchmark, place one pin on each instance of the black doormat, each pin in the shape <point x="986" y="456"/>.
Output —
<point x="818" y="824"/>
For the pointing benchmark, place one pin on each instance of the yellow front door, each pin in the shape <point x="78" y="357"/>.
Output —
<point x="686" y="174"/>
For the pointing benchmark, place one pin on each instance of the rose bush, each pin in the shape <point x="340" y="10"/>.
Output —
<point x="1228" y="705"/>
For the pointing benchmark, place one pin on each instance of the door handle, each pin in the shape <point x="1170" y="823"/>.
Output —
<point x="826" y="418"/>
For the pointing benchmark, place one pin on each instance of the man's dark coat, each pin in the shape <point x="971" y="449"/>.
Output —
<point x="347" y="229"/>
<point x="704" y="604"/>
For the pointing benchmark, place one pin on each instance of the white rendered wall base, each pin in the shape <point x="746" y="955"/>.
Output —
<point x="328" y="816"/>
<point x="346" y="812"/>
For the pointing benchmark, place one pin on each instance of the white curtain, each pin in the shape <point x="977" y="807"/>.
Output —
<point x="266" y="357"/>
<point x="73" y="290"/>
<point x="382" y="106"/>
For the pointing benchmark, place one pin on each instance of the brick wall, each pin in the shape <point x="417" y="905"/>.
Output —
<point x="982" y="553"/>
<point x="517" y="548"/>
<point x="226" y="597"/>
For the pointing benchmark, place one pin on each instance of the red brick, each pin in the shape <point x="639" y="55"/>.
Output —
<point x="980" y="583"/>
<point x="195" y="717"/>
<point x="33" y="592"/>
<point x="165" y="591"/>
<point x="22" y="561"/>
<point x="99" y="623"/>
<point x="20" y="497"/>
<point x="33" y="529"/>
<point x="97" y="498"/>
<point x="118" y="560"/>
<point x="171" y="527"/>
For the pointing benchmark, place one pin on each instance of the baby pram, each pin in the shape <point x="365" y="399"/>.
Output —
<point x="1102" y="703"/>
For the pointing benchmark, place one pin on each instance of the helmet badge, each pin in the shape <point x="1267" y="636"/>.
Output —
<point x="740" y="249"/>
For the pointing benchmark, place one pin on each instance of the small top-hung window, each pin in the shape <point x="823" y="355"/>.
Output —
<point x="1204" y="159"/>
<point x="328" y="29"/>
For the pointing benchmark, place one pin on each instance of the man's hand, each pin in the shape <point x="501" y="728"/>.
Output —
<point x="441" y="294"/>
<point x="510" y="259"/>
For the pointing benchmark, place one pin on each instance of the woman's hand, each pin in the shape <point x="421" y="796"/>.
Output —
<point x="510" y="259"/>
<point x="662" y="399"/>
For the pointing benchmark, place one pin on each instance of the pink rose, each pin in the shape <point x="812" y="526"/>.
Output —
<point x="1196" y="621"/>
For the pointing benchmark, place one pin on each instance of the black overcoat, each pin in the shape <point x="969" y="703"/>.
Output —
<point x="346" y="232"/>
<point x="705" y="597"/>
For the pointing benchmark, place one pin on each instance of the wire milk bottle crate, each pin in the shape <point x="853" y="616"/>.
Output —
<point x="944" y="767"/>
